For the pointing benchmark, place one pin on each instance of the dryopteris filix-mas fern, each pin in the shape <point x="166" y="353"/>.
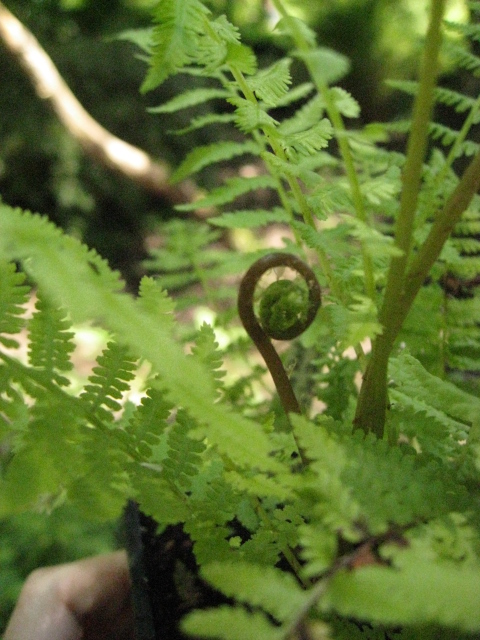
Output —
<point x="375" y="532"/>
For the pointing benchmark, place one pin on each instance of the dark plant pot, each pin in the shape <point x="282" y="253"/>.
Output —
<point x="165" y="580"/>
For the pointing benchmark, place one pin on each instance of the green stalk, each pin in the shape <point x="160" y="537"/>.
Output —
<point x="372" y="402"/>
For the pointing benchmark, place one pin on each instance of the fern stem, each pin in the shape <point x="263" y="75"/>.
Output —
<point x="372" y="403"/>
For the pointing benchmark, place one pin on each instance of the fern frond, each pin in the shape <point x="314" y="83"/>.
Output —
<point x="392" y="594"/>
<point x="155" y="300"/>
<point x="242" y="58"/>
<point x="412" y="379"/>
<point x="149" y="422"/>
<point x="250" y="116"/>
<point x="295" y="94"/>
<point x="271" y="85"/>
<point x="307" y="116"/>
<point x="308" y="142"/>
<point x="250" y="219"/>
<point x="14" y="410"/>
<point x="47" y="455"/>
<point x="230" y="623"/>
<point x="329" y="65"/>
<point x="108" y="381"/>
<point x="173" y="40"/>
<point x="25" y="236"/>
<point x="201" y="157"/>
<point x="459" y="101"/>
<point x="190" y="98"/>
<point x="182" y="461"/>
<point x="463" y="58"/>
<point x="204" y="121"/>
<point x="50" y="341"/>
<point x="274" y="591"/>
<point x="13" y="295"/>
<point x="231" y="189"/>
<point x="206" y="350"/>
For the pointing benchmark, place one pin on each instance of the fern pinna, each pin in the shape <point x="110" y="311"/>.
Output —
<point x="359" y="536"/>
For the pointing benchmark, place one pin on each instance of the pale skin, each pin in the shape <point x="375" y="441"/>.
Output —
<point x="84" y="600"/>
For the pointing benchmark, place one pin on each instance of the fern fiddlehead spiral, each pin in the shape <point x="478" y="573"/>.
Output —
<point x="286" y="310"/>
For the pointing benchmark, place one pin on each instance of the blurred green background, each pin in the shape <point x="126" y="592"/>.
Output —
<point x="43" y="169"/>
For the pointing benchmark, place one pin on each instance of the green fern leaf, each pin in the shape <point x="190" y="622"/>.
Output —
<point x="327" y="64"/>
<point x="415" y="381"/>
<point x="231" y="189"/>
<point x="13" y="295"/>
<point x="295" y="94"/>
<point x="108" y="382"/>
<point x="141" y="37"/>
<point x="24" y="236"/>
<point x="50" y="341"/>
<point x="241" y="58"/>
<point x="149" y="422"/>
<point x="206" y="350"/>
<point x="304" y="118"/>
<point x="201" y="157"/>
<point x="271" y="84"/>
<point x="250" y="219"/>
<point x="463" y="58"/>
<point x="204" y="121"/>
<point x="183" y="456"/>
<point x="250" y="116"/>
<point x="230" y="623"/>
<point x="345" y="103"/>
<point x="268" y="588"/>
<point x="394" y="595"/>
<point x="155" y="300"/>
<point x="190" y="98"/>
<point x="14" y="410"/>
<point x="173" y="38"/>
<point x="305" y="143"/>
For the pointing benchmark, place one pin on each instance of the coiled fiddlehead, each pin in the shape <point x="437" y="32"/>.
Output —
<point x="284" y="314"/>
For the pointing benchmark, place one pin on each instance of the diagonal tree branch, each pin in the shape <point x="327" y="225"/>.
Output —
<point x="95" y="140"/>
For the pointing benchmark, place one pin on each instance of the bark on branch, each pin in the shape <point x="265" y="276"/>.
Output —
<point x="95" y="140"/>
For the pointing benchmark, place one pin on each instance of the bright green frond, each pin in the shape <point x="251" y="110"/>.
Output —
<point x="50" y="343"/>
<point x="202" y="157"/>
<point x="109" y="381"/>
<point x="229" y="191"/>
<point x="250" y="218"/>
<point x="190" y="98"/>
<point x="13" y="294"/>
<point x="173" y="39"/>
<point x="271" y="85"/>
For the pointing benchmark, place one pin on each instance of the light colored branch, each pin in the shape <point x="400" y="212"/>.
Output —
<point x="95" y="140"/>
